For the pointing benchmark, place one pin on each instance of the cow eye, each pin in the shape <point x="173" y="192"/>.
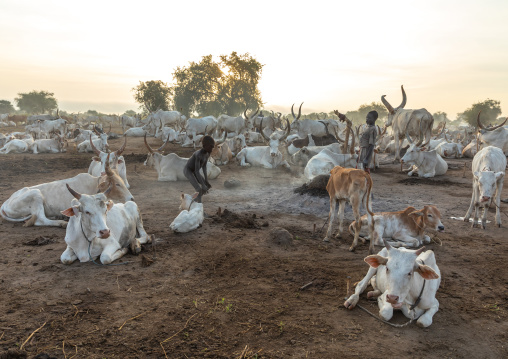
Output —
<point x="409" y="274"/>
<point x="387" y="270"/>
<point x="118" y="184"/>
<point x="87" y="212"/>
<point x="430" y="215"/>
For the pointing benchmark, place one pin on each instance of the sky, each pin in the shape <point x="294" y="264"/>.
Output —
<point x="330" y="55"/>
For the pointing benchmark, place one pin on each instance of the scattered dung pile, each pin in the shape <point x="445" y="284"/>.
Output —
<point x="39" y="241"/>
<point x="316" y="187"/>
<point x="280" y="236"/>
<point x="231" y="219"/>
<point x="427" y="181"/>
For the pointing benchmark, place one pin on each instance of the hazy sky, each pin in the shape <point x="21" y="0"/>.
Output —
<point x="448" y="54"/>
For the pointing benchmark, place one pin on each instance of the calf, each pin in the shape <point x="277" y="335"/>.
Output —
<point x="100" y="143"/>
<point x="14" y="146"/>
<point x="406" y="227"/>
<point x="99" y="228"/>
<point x="221" y="153"/>
<point x="191" y="215"/>
<point x="399" y="278"/>
<point x="116" y="161"/>
<point x="54" y="145"/>
<point x="346" y="184"/>
<point x="325" y="161"/>
<point x="488" y="174"/>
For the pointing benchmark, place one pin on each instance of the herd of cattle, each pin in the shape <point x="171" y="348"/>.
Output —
<point x="98" y="227"/>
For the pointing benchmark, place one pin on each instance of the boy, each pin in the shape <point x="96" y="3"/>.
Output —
<point x="198" y="161"/>
<point x="368" y="140"/>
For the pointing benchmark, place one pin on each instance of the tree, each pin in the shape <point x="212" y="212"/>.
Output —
<point x="36" y="102"/>
<point x="153" y="95"/>
<point x="363" y="110"/>
<point x="490" y="109"/>
<point x="440" y="116"/>
<point x="212" y="88"/>
<point x="130" y="113"/>
<point x="6" y="107"/>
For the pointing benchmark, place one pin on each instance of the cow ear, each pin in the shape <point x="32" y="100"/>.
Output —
<point x="499" y="175"/>
<point x="95" y="158"/>
<point x="376" y="260"/>
<point x="476" y="175"/>
<point x="182" y="196"/>
<point x="195" y="195"/>
<point x="109" y="205"/>
<point x="71" y="211"/>
<point x="120" y="161"/>
<point x="427" y="272"/>
<point x="416" y="213"/>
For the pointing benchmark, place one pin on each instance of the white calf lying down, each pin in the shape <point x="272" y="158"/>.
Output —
<point x="406" y="228"/>
<point x="398" y="276"/>
<point x="14" y="146"/>
<point x="325" y="161"/>
<point x="99" y="228"/>
<point x="35" y="204"/>
<point x="488" y="168"/>
<point x="191" y="215"/>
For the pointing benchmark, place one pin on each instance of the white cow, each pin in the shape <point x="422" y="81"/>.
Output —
<point x="135" y="132"/>
<point x="39" y="202"/>
<point x="191" y="215"/>
<point x="115" y="159"/>
<point x="170" y="167"/>
<point x="496" y="136"/>
<point x="53" y="145"/>
<point x="99" y="228"/>
<point x="170" y="118"/>
<point x="100" y="142"/>
<point x="426" y="163"/>
<point x="237" y="125"/>
<point x="307" y="127"/>
<point x="304" y="154"/>
<point x="488" y="171"/>
<point x="200" y="126"/>
<point x="449" y="149"/>
<point x="326" y="160"/>
<point x="236" y="144"/>
<point x="58" y="125"/>
<point x="265" y="156"/>
<point x="128" y="121"/>
<point x="34" y="118"/>
<point x="14" y="146"/>
<point x="401" y="122"/>
<point x="402" y="279"/>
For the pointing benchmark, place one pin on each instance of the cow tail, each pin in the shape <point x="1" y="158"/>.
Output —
<point x="369" y="184"/>
<point x="31" y="221"/>
<point x="351" y="230"/>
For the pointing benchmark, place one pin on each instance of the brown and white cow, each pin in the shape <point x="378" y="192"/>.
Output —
<point x="405" y="228"/>
<point x="221" y="153"/>
<point x="349" y="184"/>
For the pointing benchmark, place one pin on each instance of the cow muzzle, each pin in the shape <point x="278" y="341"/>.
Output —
<point x="484" y="199"/>
<point x="104" y="233"/>
<point x="394" y="301"/>
<point x="440" y="228"/>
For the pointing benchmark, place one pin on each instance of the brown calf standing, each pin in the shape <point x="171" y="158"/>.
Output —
<point x="349" y="184"/>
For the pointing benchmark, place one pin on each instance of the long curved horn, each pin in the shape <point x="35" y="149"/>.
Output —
<point x="387" y="245"/>
<point x="109" y="171"/>
<point x="163" y="145"/>
<point x="420" y="135"/>
<point x="73" y="192"/>
<point x="292" y="112"/>
<point x="288" y="129"/>
<point x="442" y="130"/>
<point x="299" y="111"/>
<point x="352" y="151"/>
<point x="404" y="97"/>
<point x="337" y="135"/>
<point x="387" y="105"/>
<point x="261" y="131"/>
<point x="148" y="146"/>
<point x="491" y="128"/>
<point x="407" y="132"/>
<point x="223" y="139"/>
<point x="326" y="127"/>
<point x="121" y="149"/>
<point x="97" y="152"/>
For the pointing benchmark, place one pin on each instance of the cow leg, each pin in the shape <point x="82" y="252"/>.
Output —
<point x="385" y="308"/>
<point x="351" y="302"/>
<point x="68" y="256"/>
<point x="498" y="202"/>
<point x="111" y="253"/>
<point x="342" y="206"/>
<point x="331" y="218"/>
<point x="34" y="149"/>
<point x="355" y="204"/>
<point x="406" y="241"/>
<point x="376" y="292"/>
<point x="33" y="200"/>
<point x="475" y="217"/>
<point x="425" y="319"/>
<point x="471" y="205"/>
<point x="398" y="144"/>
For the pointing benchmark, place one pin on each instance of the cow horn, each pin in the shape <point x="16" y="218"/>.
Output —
<point x="223" y="139"/>
<point x="73" y="192"/>
<point x="148" y="146"/>
<point x="420" y="138"/>
<point x="163" y="145"/>
<point x="387" y="105"/>
<point x="337" y="135"/>
<point x="491" y="128"/>
<point x="419" y="251"/>
<point x="407" y="132"/>
<point x="288" y="129"/>
<point x="106" y="192"/>
<point x="292" y="112"/>
<point x="97" y="152"/>
<point x="387" y="245"/>
<point x="326" y="127"/>
<point x="404" y="97"/>
<point x="109" y="172"/>
<point x="442" y="129"/>
<point x="299" y="111"/>
<point x="261" y="130"/>
<point x="121" y="149"/>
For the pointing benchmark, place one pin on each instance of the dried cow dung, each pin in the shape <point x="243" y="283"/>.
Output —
<point x="232" y="183"/>
<point x="280" y="236"/>
<point x="316" y="187"/>
<point x="39" y="241"/>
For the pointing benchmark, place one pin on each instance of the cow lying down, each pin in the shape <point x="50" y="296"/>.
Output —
<point x="191" y="215"/>
<point x="97" y="227"/>
<point x="402" y="279"/>
<point x="403" y="228"/>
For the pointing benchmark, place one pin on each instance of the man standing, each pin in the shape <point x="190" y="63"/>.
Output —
<point x="368" y="140"/>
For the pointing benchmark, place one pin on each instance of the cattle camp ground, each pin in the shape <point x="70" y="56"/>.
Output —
<point x="230" y="289"/>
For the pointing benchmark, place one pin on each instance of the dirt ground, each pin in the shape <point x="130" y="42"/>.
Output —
<point x="226" y="290"/>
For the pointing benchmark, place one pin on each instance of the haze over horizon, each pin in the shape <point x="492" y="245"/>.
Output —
<point x="448" y="55"/>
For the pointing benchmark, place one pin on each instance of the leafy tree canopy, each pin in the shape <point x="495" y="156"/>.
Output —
<point x="152" y="95"/>
<point x="6" y="107"/>
<point x="36" y="102"/>
<point x="210" y="87"/>
<point x="490" y="109"/>
<point x="440" y="117"/>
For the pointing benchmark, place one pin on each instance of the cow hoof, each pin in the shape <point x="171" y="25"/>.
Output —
<point x="326" y="240"/>
<point x="351" y="249"/>
<point x="466" y="219"/>
<point x="499" y="225"/>
<point x="348" y="305"/>
<point x="338" y="235"/>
